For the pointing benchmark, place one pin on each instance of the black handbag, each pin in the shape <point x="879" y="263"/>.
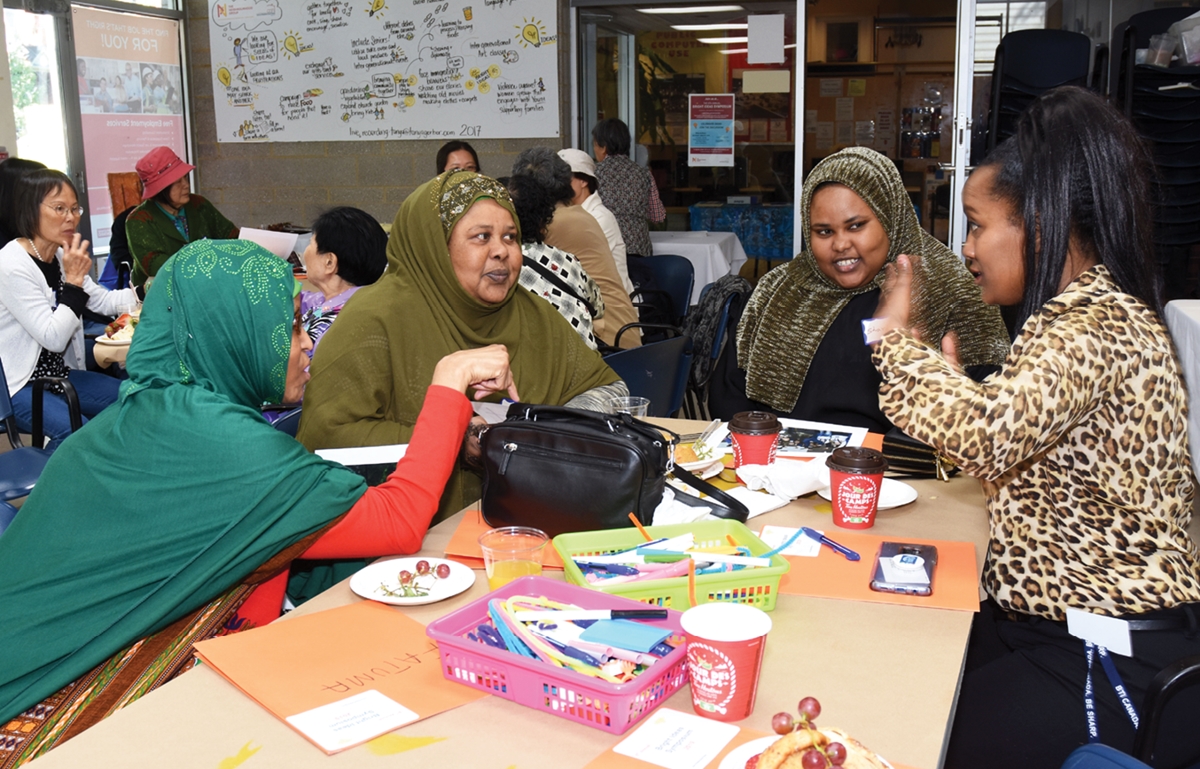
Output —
<point x="909" y="457"/>
<point x="563" y="470"/>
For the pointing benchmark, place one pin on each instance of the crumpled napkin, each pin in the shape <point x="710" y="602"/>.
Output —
<point x="670" y="510"/>
<point x="786" y="478"/>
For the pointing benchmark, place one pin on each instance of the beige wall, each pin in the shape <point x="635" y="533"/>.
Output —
<point x="264" y="183"/>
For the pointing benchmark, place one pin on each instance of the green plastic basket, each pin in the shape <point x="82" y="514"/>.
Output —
<point x="756" y="587"/>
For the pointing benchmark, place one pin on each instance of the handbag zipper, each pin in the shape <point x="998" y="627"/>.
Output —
<point x="563" y="456"/>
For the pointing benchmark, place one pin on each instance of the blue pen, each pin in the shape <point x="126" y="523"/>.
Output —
<point x="837" y="548"/>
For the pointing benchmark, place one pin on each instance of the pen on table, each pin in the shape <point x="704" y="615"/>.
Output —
<point x="569" y="614"/>
<point x="837" y="548"/>
<point x="737" y="560"/>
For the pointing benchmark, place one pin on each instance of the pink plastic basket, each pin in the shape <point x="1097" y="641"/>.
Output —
<point x="561" y="691"/>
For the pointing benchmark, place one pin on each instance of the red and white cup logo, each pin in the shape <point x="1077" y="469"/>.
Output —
<point x="855" y="499"/>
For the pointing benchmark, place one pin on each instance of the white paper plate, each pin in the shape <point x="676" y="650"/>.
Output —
<point x="705" y="468"/>
<point x="893" y="494"/>
<point x="737" y="758"/>
<point x="369" y="582"/>
<point x="113" y="342"/>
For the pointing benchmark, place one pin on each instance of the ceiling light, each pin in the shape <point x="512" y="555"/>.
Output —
<point x="707" y="27"/>
<point x="723" y="40"/>
<point x="745" y="50"/>
<point x="693" y="9"/>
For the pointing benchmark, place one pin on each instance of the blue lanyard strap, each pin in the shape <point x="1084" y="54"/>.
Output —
<point x="1114" y="678"/>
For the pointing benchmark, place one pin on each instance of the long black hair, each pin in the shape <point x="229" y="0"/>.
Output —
<point x="1077" y="170"/>
<point x="11" y="171"/>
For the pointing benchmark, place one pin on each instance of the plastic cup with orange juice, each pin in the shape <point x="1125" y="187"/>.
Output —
<point x="511" y="552"/>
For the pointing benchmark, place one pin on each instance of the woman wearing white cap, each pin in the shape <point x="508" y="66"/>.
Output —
<point x="583" y="181"/>
<point x="170" y="215"/>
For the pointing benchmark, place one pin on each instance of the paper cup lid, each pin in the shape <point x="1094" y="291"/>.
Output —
<point x="855" y="459"/>
<point x="754" y="423"/>
<point x="726" y="622"/>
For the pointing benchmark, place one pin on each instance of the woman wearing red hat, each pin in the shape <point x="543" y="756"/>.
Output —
<point x="170" y="216"/>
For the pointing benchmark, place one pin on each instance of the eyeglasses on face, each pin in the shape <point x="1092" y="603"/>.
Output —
<point x="62" y="210"/>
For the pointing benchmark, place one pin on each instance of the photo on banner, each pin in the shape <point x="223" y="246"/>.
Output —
<point x="130" y="96"/>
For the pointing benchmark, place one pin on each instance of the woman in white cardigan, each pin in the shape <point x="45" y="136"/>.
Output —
<point x="44" y="289"/>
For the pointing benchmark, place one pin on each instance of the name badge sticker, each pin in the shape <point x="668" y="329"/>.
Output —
<point x="1109" y="632"/>
<point x="873" y="329"/>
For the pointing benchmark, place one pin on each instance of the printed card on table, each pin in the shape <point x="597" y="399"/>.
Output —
<point x="675" y="740"/>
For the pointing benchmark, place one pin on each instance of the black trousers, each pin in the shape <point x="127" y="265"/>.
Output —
<point x="1021" y="702"/>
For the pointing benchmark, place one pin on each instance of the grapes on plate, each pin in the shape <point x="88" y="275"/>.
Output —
<point x="422" y="567"/>
<point x="836" y="752"/>
<point x="443" y="571"/>
<point x="781" y="723"/>
<point x="813" y="759"/>
<point x="810" y="708"/>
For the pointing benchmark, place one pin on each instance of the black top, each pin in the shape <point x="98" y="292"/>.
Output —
<point x="66" y="293"/>
<point x="842" y="385"/>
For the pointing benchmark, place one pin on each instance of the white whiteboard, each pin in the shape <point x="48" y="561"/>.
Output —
<point x="346" y="70"/>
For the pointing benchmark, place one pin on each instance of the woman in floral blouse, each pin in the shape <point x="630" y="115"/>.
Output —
<point x="626" y="188"/>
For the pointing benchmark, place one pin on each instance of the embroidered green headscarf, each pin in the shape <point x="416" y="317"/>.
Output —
<point x="174" y="494"/>
<point x="371" y="371"/>
<point x="793" y="305"/>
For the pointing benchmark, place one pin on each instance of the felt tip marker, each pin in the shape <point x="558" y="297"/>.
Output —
<point x="570" y="615"/>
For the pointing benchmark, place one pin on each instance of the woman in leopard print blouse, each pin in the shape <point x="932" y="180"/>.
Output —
<point x="1080" y="441"/>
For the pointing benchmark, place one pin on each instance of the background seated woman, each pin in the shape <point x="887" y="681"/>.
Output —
<point x="170" y="215"/>
<point x="454" y="257"/>
<point x="550" y="272"/>
<point x="202" y="546"/>
<point x="799" y="350"/>
<point x="457" y="156"/>
<point x="44" y="289"/>
<point x="1080" y="440"/>
<point x="348" y="250"/>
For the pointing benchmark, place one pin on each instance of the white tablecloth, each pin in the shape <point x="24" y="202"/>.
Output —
<point x="1183" y="319"/>
<point x="713" y="254"/>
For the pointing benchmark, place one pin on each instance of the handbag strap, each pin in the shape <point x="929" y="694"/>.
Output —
<point x="733" y="509"/>
<point x="559" y="283"/>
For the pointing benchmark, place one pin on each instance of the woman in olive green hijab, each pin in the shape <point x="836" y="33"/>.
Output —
<point x="454" y="256"/>
<point x="799" y="350"/>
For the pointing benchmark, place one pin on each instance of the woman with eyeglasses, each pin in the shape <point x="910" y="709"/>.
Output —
<point x="44" y="289"/>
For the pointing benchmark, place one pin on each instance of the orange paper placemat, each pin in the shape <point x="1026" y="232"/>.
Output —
<point x="303" y="663"/>
<point x="829" y="575"/>
<point x="464" y="545"/>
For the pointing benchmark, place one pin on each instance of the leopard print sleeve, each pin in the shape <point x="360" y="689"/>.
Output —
<point x="1046" y="387"/>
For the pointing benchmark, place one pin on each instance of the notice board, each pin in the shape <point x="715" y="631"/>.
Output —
<point x="346" y="70"/>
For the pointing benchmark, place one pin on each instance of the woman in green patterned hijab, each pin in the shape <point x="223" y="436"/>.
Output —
<point x="168" y="517"/>
<point x="454" y="256"/>
<point x="802" y="325"/>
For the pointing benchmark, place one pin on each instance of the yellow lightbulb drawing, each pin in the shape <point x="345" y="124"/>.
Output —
<point x="484" y="87"/>
<point x="493" y="71"/>
<point x="412" y="80"/>
<point x="469" y="85"/>
<point x="530" y="33"/>
<point x="224" y="77"/>
<point x="410" y="100"/>
<point x="291" y="45"/>
<point x="474" y="71"/>
<point x="398" y="78"/>
<point x="376" y="7"/>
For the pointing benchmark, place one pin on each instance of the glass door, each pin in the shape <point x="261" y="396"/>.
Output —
<point x="37" y="92"/>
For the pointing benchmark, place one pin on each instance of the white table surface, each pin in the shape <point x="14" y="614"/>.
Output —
<point x="713" y="254"/>
<point x="1183" y="319"/>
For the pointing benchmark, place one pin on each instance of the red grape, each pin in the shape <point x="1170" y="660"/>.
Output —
<point x="405" y="577"/>
<point x="422" y="567"/>
<point x="810" y="708"/>
<point x="812" y="759"/>
<point x="443" y="571"/>
<point x="752" y="762"/>
<point x="836" y="752"/>
<point x="782" y="723"/>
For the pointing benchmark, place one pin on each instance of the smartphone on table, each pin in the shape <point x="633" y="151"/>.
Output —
<point x="901" y="567"/>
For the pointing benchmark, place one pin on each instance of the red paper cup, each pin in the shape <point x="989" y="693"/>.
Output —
<point x="755" y="437"/>
<point x="725" y="643"/>
<point x="855" y="479"/>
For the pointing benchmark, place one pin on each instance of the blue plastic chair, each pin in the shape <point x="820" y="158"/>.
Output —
<point x="675" y="276"/>
<point x="7" y="513"/>
<point x="1096" y="756"/>
<point x="21" y="466"/>
<point x="289" y="422"/>
<point x="658" y="371"/>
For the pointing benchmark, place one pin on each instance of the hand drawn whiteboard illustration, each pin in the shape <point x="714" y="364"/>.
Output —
<point x="346" y="70"/>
